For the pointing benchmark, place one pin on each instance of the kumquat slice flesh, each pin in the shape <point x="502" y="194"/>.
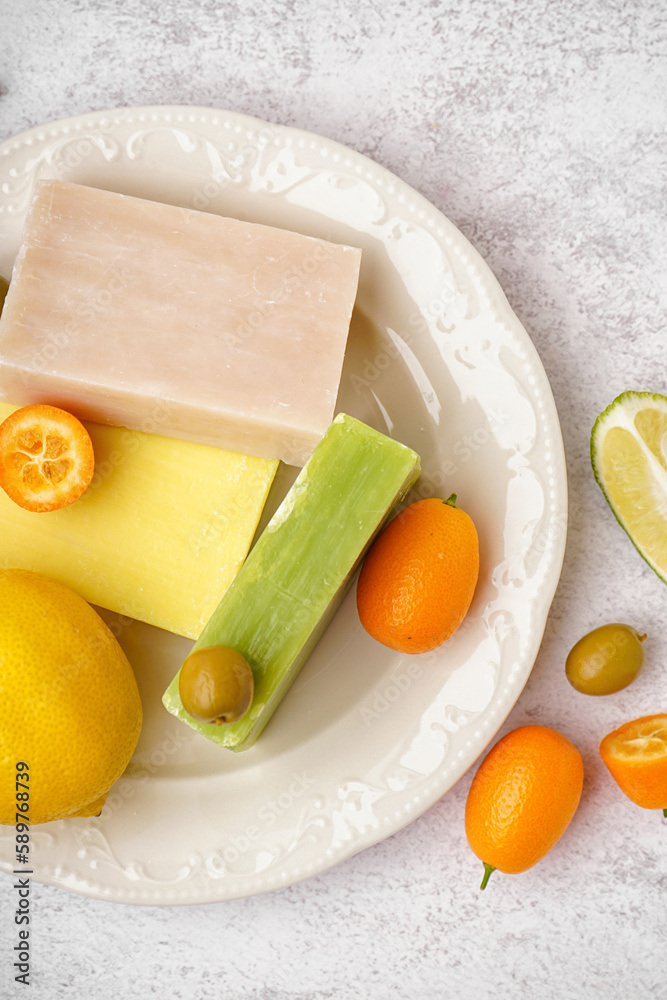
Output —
<point x="636" y="756"/>
<point x="46" y="457"/>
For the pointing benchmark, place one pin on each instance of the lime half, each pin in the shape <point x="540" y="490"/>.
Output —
<point x="629" y="456"/>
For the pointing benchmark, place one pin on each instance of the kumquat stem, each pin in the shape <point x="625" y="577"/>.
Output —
<point x="488" y="871"/>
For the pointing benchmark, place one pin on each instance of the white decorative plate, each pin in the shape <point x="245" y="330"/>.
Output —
<point x="367" y="739"/>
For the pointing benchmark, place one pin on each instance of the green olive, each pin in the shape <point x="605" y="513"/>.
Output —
<point x="216" y="685"/>
<point x="606" y="660"/>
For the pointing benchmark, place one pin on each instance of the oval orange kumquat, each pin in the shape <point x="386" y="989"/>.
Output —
<point x="522" y="798"/>
<point x="419" y="576"/>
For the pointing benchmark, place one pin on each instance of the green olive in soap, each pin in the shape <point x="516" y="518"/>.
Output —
<point x="606" y="660"/>
<point x="216" y="685"/>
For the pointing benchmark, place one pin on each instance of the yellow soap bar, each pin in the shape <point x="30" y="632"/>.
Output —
<point x="159" y="534"/>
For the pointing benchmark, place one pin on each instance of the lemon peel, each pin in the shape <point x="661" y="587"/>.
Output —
<point x="70" y="702"/>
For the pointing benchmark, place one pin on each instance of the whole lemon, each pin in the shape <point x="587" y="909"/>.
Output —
<point x="70" y="704"/>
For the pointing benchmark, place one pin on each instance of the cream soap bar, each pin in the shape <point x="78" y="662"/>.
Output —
<point x="299" y="569"/>
<point x="238" y="328"/>
<point x="159" y="534"/>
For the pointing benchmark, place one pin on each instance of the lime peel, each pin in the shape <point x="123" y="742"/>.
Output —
<point x="629" y="460"/>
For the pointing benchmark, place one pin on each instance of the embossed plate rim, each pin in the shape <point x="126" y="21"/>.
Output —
<point x="93" y="868"/>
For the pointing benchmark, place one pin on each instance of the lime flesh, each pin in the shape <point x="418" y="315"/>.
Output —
<point x="629" y="458"/>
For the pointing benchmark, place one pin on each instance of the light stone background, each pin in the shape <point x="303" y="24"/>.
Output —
<point x="538" y="128"/>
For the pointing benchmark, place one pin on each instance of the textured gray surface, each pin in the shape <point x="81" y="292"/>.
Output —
<point x="539" y="130"/>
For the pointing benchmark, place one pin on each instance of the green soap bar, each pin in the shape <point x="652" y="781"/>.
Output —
<point x="300" y="568"/>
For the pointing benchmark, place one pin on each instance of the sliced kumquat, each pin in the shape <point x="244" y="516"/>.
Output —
<point x="46" y="457"/>
<point x="636" y="757"/>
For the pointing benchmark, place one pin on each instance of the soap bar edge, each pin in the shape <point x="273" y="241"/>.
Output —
<point x="171" y="698"/>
